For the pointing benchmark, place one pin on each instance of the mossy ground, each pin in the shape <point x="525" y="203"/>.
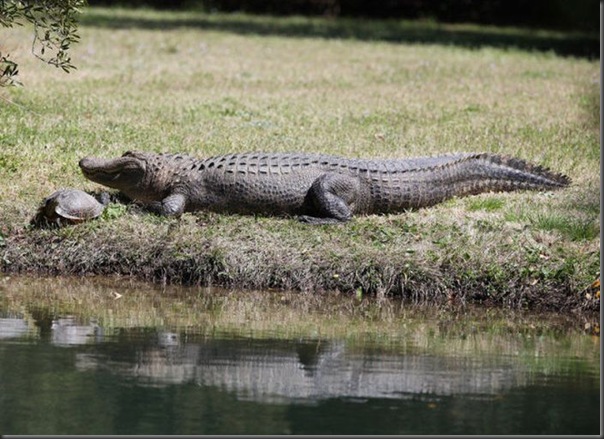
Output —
<point x="208" y="84"/>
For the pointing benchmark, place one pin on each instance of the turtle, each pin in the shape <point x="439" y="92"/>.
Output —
<point x="70" y="206"/>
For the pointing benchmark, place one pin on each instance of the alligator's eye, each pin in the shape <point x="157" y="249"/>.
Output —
<point x="128" y="154"/>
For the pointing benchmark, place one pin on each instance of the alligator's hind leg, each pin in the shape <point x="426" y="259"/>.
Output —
<point x="330" y="198"/>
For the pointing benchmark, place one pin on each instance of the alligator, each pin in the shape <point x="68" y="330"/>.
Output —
<point x="318" y="189"/>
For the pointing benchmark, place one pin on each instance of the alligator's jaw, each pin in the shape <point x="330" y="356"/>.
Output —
<point x="120" y="173"/>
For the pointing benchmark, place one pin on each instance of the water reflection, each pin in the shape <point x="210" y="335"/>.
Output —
<point x="61" y="331"/>
<point x="141" y="379"/>
<point x="13" y="327"/>
<point x="66" y="331"/>
<point x="273" y="371"/>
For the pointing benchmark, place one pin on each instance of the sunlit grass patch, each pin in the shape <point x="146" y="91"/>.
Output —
<point x="572" y="228"/>
<point x="575" y="229"/>
<point x="489" y="204"/>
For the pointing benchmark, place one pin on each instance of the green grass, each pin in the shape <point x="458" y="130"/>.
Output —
<point x="489" y="204"/>
<point x="208" y="84"/>
<point x="572" y="228"/>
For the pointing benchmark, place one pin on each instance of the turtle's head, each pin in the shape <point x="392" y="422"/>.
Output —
<point x="124" y="173"/>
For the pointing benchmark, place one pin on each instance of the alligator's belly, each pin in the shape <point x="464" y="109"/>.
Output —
<point x="266" y="194"/>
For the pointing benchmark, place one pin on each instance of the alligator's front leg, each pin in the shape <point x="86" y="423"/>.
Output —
<point x="330" y="197"/>
<point x="172" y="205"/>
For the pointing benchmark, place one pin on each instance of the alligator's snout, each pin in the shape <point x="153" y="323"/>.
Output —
<point x="121" y="171"/>
<point x="86" y="164"/>
<point x="94" y="165"/>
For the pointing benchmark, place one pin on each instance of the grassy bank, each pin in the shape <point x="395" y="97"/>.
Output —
<point x="211" y="84"/>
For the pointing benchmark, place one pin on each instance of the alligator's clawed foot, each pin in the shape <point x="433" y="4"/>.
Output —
<point x="306" y="219"/>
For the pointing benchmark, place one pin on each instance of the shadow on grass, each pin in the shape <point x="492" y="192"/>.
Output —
<point x="395" y="31"/>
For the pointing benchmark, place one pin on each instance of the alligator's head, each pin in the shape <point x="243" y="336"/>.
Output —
<point x="126" y="173"/>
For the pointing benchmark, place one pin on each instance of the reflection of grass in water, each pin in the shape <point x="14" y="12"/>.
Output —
<point x="543" y="341"/>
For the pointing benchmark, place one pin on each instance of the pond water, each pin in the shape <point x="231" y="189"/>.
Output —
<point x="101" y="356"/>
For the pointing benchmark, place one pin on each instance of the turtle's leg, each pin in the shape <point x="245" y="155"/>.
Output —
<point x="104" y="198"/>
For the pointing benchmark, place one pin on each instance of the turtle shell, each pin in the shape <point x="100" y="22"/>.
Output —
<point x="71" y="204"/>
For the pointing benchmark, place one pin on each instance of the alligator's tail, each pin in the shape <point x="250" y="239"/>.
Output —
<point x="509" y="173"/>
<point x="459" y="175"/>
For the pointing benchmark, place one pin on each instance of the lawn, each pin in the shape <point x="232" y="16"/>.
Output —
<point x="208" y="84"/>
